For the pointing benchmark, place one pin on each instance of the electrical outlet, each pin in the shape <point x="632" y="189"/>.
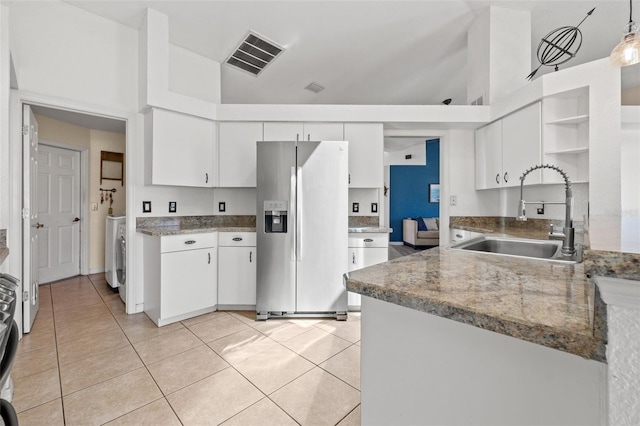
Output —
<point x="94" y="207"/>
<point x="541" y="210"/>
<point x="453" y="200"/>
<point x="146" y="207"/>
<point x="374" y="207"/>
<point x="222" y="206"/>
<point x="173" y="206"/>
<point x="356" y="207"/>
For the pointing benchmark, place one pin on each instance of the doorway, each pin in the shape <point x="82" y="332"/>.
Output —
<point x="69" y="196"/>
<point x="414" y="178"/>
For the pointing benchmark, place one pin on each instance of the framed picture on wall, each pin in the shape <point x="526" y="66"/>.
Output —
<point x="434" y="192"/>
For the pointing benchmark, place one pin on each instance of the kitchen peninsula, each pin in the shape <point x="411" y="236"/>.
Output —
<point x="454" y="337"/>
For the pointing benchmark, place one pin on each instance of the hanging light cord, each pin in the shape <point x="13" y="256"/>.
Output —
<point x="630" y="14"/>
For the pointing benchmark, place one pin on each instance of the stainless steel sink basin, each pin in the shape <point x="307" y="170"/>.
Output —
<point x="518" y="247"/>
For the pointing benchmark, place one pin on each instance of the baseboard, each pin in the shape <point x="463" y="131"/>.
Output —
<point x="95" y="271"/>
<point x="395" y="243"/>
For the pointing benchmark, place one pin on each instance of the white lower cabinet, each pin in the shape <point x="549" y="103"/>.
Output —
<point x="365" y="249"/>
<point x="237" y="270"/>
<point x="180" y="276"/>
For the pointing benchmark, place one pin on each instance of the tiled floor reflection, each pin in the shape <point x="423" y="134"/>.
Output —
<point x="86" y="362"/>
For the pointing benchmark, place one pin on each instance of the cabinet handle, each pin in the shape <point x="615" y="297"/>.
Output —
<point x="209" y="261"/>
<point x="190" y="242"/>
<point x="506" y="177"/>
<point x="498" y="178"/>
<point x="250" y="256"/>
<point x="459" y="235"/>
<point x="308" y="136"/>
<point x="206" y="178"/>
<point x="368" y="240"/>
<point x="354" y="257"/>
<point x="237" y="238"/>
<point x="349" y="177"/>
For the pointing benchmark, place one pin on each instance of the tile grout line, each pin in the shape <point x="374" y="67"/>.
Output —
<point x="143" y="364"/>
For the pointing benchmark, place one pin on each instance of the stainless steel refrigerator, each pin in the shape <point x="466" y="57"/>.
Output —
<point x="302" y="229"/>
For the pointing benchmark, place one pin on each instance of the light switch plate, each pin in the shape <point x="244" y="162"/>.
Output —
<point x="374" y="207"/>
<point x="453" y="200"/>
<point x="146" y="207"/>
<point x="222" y="206"/>
<point x="356" y="207"/>
<point x="94" y="207"/>
<point x="173" y="206"/>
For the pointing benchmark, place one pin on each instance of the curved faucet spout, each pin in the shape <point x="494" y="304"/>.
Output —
<point x="568" y="246"/>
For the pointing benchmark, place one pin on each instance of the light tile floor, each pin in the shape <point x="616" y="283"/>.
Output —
<point x="87" y="362"/>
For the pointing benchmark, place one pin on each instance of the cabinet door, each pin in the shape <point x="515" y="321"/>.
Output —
<point x="489" y="156"/>
<point x="366" y="147"/>
<point x="237" y="153"/>
<point x="182" y="148"/>
<point x="323" y="131"/>
<point x="189" y="281"/>
<point x="282" y="131"/>
<point x="237" y="276"/>
<point x="521" y="145"/>
<point x="361" y="257"/>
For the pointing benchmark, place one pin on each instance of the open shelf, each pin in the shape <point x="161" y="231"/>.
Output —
<point x="568" y="151"/>
<point x="576" y="119"/>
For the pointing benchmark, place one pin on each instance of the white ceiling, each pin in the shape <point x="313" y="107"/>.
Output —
<point x="362" y="52"/>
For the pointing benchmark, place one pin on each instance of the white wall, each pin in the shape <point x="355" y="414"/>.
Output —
<point x="629" y="161"/>
<point x="459" y="154"/>
<point x="238" y="201"/>
<point x="364" y="196"/>
<point x="62" y="51"/>
<point x="193" y="75"/>
<point x="417" y="151"/>
<point x="5" y="70"/>
<point x="498" y="52"/>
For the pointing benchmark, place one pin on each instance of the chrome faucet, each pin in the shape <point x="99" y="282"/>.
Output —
<point x="568" y="239"/>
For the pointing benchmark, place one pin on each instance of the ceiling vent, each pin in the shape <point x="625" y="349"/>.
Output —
<point x="314" y="87"/>
<point x="254" y="53"/>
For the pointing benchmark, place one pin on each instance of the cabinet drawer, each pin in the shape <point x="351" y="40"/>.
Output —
<point x="237" y="239"/>
<point x="181" y="242"/>
<point x="368" y="240"/>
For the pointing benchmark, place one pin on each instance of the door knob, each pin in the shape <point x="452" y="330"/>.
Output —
<point x="77" y="219"/>
<point x="39" y="225"/>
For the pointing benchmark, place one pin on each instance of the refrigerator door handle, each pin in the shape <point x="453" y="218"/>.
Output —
<point x="299" y="214"/>
<point x="292" y="204"/>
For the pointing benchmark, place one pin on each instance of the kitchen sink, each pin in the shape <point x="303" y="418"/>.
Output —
<point x="520" y="247"/>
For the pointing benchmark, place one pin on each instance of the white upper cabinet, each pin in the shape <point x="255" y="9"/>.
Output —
<point x="179" y="149"/>
<point x="285" y="131"/>
<point x="507" y="147"/>
<point x="521" y="145"/>
<point x="237" y="149"/>
<point x="489" y="156"/>
<point x="366" y="146"/>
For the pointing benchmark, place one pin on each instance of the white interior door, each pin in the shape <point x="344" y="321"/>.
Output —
<point x="59" y="212"/>
<point x="31" y="224"/>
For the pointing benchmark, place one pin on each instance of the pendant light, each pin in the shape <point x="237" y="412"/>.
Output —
<point x="627" y="52"/>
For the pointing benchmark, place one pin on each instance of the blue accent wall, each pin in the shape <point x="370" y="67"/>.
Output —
<point x="409" y="190"/>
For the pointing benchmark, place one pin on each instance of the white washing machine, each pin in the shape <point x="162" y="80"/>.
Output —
<point x="110" y="237"/>
<point x="121" y="260"/>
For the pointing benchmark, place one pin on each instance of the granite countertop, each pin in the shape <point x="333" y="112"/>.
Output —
<point x="542" y="302"/>
<point x="372" y="229"/>
<point x="158" y="231"/>
<point x="4" y="252"/>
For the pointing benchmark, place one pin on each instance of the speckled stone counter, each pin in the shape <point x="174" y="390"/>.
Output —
<point x="4" y="251"/>
<point x="541" y="302"/>
<point x="158" y="226"/>
<point x="371" y="229"/>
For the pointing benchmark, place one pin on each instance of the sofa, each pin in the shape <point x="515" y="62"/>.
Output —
<point x="412" y="236"/>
